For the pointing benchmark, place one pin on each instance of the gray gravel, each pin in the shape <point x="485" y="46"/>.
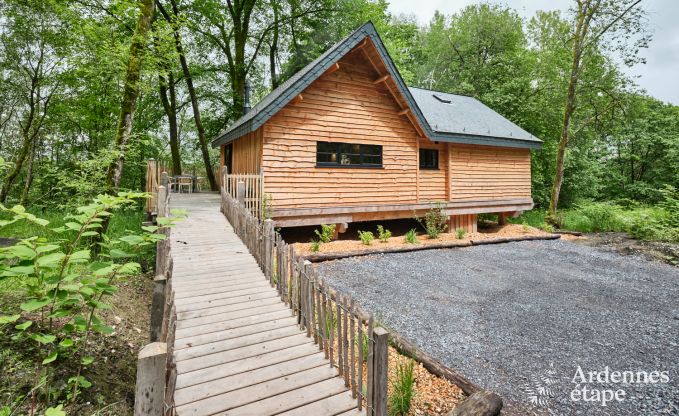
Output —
<point x="520" y="316"/>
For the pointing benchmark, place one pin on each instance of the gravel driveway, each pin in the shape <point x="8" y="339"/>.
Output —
<point x="519" y="318"/>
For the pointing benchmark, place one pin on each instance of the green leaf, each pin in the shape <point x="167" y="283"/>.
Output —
<point x="8" y="319"/>
<point x="55" y="411"/>
<point x="52" y="260"/>
<point x="118" y="254"/>
<point x="80" y="380"/>
<point x="46" y="248"/>
<point x="132" y="240"/>
<point x="24" y="326"/>
<point x="73" y="226"/>
<point x="34" y="304"/>
<point x="104" y="329"/>
<point x="21" y="251"/>
<point x="87" y="360"/>
<point x="150" y="228"/>
<point x="80" y="256"/>
<point x="66" y="343"/>
<point x="87" y="291"/>
<point x="89" y="233"/>
<point x="50" y="358"/>
<point x="43" y="338"/>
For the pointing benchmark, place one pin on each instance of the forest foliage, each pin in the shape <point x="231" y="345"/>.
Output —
<point x="65" y="69"/>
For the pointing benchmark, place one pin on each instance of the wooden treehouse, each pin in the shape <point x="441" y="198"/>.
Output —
<point x="345" y="140"/>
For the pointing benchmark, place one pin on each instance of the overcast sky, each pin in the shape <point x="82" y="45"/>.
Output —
<point x="659" y="76"/>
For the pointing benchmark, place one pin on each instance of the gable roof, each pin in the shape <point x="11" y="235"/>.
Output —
<point x="440" y="123"/>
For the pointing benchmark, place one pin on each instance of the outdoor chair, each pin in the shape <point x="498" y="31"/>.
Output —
<point x="185" y="182"/>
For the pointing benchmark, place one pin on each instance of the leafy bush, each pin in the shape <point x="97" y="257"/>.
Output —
<point x="435" y="221"/>
<point x="63" y="287"/>
<point x="403" y="388"/>
<point x="326" y="233"/>
<point x="383" y="234"/>
<point x="594" y="217"/>
<point x="459" y="233"/>
<point x="366" y="237"/>
<point x="315" y="245"/>
<point x="411" y="237"/>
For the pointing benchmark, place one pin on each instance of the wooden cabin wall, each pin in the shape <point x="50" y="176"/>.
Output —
<point x="344" y="106"/>
<point x="482" y="173"/>
<point x="247" y="153"/>
<point x="433" y="182"/>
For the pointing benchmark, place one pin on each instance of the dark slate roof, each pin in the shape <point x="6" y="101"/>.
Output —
<point x="284" y="93"/>
<point x="459" y="115"/>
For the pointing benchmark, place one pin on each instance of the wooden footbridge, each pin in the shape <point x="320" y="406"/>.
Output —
<point x="238" y="347"/>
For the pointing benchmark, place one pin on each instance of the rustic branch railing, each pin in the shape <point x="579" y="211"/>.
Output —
<point x="251" y="187"/>
<point x="345" y="333"/>
<point x="156" y="368"/>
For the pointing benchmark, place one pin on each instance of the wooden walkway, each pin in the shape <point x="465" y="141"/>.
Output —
<point x="238" y="348"/>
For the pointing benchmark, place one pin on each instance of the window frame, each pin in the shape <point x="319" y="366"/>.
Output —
<point x="363" y="152"/>
<point x="436" y="160"/>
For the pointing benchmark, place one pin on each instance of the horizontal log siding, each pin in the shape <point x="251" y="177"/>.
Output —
<point x="247" y="153"/>
<point x="483" y="173"/>
<point x="344" y="106"/>
<point x="433" y="182"/>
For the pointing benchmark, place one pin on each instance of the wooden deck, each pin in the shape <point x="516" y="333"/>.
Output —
<point x="238" y="348"/>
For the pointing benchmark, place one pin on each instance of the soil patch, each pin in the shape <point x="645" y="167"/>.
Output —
<point x="485" y="231"/>
<point x="623" y="243"/>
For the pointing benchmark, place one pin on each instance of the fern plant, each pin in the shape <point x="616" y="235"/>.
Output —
<point x="383" y="234"/>
<point x="411" y="237"/>
<point x="366" y="237"/>
<point x="326" y="233"/>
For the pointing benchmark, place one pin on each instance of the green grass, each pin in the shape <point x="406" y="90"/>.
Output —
<point x="642" y="222"/>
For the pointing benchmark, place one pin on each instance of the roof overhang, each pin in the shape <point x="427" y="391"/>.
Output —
<point x="296" y="84"/>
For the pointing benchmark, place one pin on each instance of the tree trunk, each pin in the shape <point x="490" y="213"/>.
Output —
<point x="581" y="30"/>
<point x="170" y="107"/>
<point x="130" y="93"/>
<point x="273" y="49"/>
<point x="29" y="174"/>
<point x="16" y="169"/>
<point x="192" y="94"/>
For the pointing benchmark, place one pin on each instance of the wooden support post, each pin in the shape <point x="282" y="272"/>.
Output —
<point x="149" y="399"/>
<point x="380" y="367"/>
<point x="157" y="307"/>
<point x="240" y="192"/>
<point x="268" y="231"/>
<point x="502" y="218"/>
<point x="164" y="180"/>
<point x="162" y="200"/>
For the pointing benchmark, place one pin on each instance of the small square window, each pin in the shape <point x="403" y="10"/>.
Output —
<point x="429" y="159"/>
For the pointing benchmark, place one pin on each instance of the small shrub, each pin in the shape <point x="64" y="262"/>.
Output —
<point x="403" y="388"/>
<point x="383" y="234"/>
<point x="315" y="245"/>
<point x="459" y="233"/>
<point x="366" y="237"/>
<point x="411" y="237"/>
<point x="326" y="233"/>
<point x="525" y="227"/>
<point x="435" y="221"/>
<point x="548" y="228"/>
<point x="363" y="344"/>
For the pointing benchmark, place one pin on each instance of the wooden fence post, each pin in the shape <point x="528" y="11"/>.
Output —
<point x="164" y="179"/>
<point x="162" y="201"/>
<point x="157" y="306"/>
<point x="380" y="365"/>
<point x="268" y="232"/>
<point x="240" y="192"/>
<point x="149" y="399"/>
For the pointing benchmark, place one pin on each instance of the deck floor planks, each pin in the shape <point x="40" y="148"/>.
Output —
<point x="238" y="348"/>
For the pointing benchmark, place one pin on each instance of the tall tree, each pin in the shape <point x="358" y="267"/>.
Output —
<point x="168" y="97"/>
<point x="202" y="141"/>
<point x="594" y="20"/>
<point x="131" y="91"/>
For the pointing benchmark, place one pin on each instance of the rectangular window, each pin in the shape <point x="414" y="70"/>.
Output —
<point x="429" y="159"/>
<point x="348" y="155"/>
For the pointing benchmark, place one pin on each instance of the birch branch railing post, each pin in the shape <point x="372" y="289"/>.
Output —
<point x="156" y="368"/>
<point x="345" y="333"/>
